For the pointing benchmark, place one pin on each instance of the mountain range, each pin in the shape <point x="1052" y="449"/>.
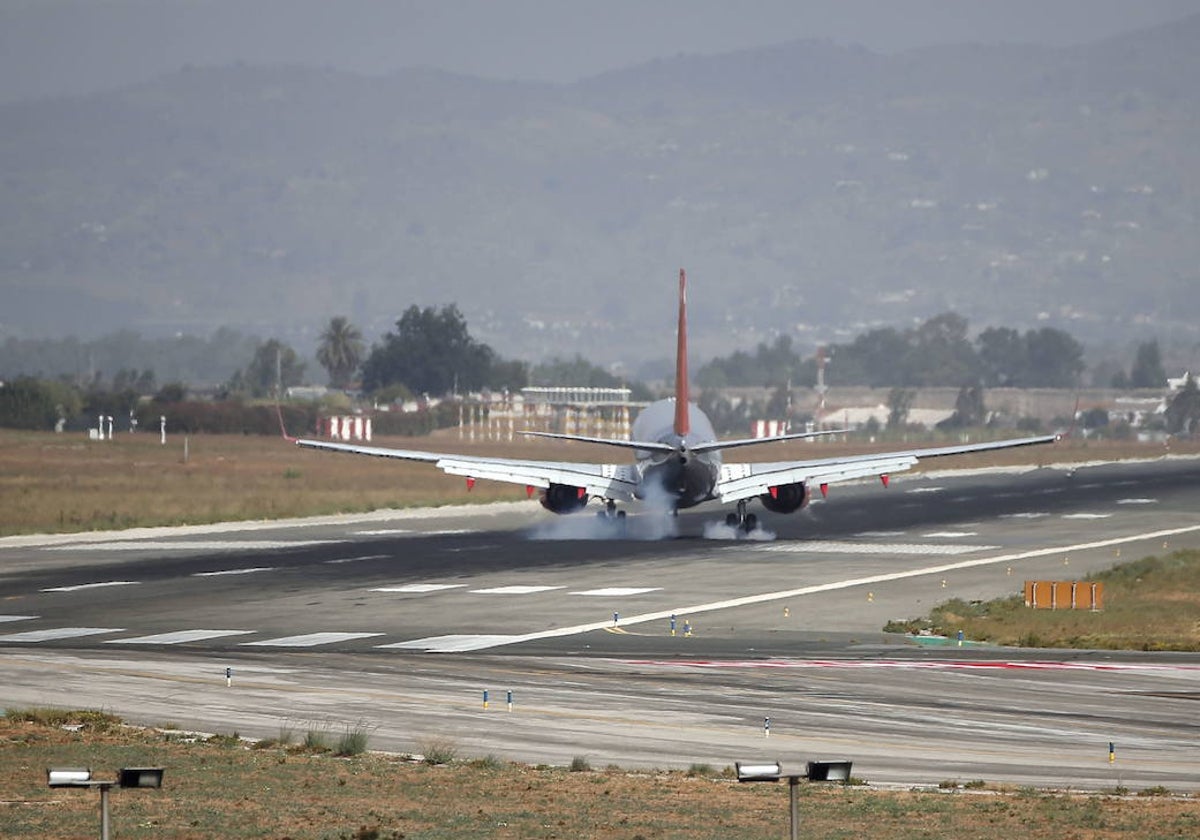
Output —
<point x="810" y="189"/>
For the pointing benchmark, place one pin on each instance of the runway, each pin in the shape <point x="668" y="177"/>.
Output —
<point x="402" y="620"/>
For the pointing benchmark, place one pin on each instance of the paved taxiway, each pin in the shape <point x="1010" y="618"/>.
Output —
<point x="330" y="622"/>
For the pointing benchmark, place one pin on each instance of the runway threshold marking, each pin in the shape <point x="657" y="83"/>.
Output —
<point x="420" y="588"/>
<point x="310" y="640"/>
<point x="58" y="633"/>
<point x="462" y="643"/>
<point x="178" y="637"/>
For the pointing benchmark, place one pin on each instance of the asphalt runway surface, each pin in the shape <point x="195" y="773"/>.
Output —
<point x="629" y="650"/>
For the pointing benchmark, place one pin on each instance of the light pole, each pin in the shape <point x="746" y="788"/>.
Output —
<point x="814" y="771"/>
<point x="128" y="777"/>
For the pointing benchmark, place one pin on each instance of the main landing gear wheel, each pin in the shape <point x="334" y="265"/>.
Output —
<point x="741" y="520"/>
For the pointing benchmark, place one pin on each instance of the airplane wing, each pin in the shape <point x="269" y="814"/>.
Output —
<point x="610" y="481"/>
<point x="745" y="481"/>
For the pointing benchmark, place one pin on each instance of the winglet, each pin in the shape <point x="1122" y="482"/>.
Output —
<point x="682" y="426"/>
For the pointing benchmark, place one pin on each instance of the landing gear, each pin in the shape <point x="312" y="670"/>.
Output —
<point x="609" y="513"/>
<point x="741" y="520"/>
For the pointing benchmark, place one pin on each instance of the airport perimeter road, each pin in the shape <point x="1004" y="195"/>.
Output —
<point x="401" y="622"/>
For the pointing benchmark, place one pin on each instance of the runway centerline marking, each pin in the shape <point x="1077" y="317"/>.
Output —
<point x="933" y="535"/>
<point x="827" y="547"/>
<point x="341" y="560"/>
<point x="80" y="586"/>
<point x="7" y="618"/>
<point x="235" y="572"/>
<point x="618" y="591"/>
<point x="1086" y="515"/>
<point x="462" y="643"/>
<point x="1137" y="501"/>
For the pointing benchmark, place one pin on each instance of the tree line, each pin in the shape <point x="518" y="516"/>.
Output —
<point x="937" y="352"/>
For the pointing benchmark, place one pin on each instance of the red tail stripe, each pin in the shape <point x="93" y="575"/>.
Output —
<point x="682" y="426"/>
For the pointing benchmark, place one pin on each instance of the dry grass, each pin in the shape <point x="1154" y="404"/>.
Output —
<point x="221" y="789"/>
<point x="63" y="483"/>
<point x="1149" y="604"/>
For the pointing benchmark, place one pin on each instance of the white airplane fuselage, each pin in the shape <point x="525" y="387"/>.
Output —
<point x="679" y="479"/>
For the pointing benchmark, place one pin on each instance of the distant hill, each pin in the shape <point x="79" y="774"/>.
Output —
<point x="809" y="188"/>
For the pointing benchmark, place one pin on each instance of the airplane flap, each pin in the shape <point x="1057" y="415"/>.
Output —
<point x="611" y="481"/>
<point x="745" y="481"/>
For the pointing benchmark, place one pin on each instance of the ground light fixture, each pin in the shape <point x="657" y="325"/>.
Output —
<point x="814" y="771"/>
<point x="127" y="777"/>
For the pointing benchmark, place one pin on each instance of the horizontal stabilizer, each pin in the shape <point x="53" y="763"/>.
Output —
<point x="643" y="445"/>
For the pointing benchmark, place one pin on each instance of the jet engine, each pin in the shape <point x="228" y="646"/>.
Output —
<point x="786" y="498"/>
<point x="563" y="498"/>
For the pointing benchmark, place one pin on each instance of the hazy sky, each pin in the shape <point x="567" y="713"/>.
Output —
<point x="51" y="47"/>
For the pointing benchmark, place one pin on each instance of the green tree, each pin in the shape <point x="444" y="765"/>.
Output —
<point x="969" y="409"/>
<point x="899" y="402"/>
<point x="340" y="351"/>
<point x="275" y="366"/>
<point x="940" y="351"/>
<point x="1002" y="356"/>
<point x="1148" y="371"/>
<point x="430" y="352"/>
<point x="29" y="403"/>
<point x="1055" y="359"/>
<point x="1183" y="414"/>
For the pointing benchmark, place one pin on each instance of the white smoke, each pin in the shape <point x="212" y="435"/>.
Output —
<point x="648" y="526"/>
<point x="718" y="530"/>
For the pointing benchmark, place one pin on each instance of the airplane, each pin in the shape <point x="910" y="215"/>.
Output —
<point x="677" y="461"/>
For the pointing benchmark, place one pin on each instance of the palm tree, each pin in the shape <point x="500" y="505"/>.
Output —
<point x="340" y="351"/>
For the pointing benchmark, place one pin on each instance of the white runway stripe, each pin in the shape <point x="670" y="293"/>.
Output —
<point x="617" y="591"/>
<point x="452" y="644"/>
<point x="310" y="640"/>
<point x="820" y="547"/>
<point x="190" y="545"/>
<point x="1137" y="501"/>
<point x="420" y="588"/>
<point x="179" y="637"/>
<point x="514" y="590"/>
<point x="933" y="535"/>
<point x="80" y="586"/>
<point x="58" y="633"/>
<point x="1086" y="515"/>
<point x="7" y="618"/>
<point x="235" y="572"/>
<point x="355" y="559"/>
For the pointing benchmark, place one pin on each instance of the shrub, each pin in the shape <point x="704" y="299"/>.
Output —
<point x="579" y="764"/>
<point x="438" y="751"/>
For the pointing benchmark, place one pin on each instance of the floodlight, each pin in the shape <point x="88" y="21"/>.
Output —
<point x="761" y="772"/>
<point x="68" y="777"/>
<point x="141" y="777"/>
<point x="829" y="771"/>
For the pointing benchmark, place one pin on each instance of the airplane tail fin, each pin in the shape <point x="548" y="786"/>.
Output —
<point x="682" y="427"/>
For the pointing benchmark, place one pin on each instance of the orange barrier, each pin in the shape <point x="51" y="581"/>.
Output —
<point x="1064" y="595"/>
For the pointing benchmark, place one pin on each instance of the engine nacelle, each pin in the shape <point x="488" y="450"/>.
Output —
<point x="564" y="498"/>
<point x="786" y="498"/>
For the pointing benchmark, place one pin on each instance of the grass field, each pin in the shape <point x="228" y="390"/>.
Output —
<point x="66" y="483"/>
<point x="223" y="788"/>
<point x="1149" y="604"/>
